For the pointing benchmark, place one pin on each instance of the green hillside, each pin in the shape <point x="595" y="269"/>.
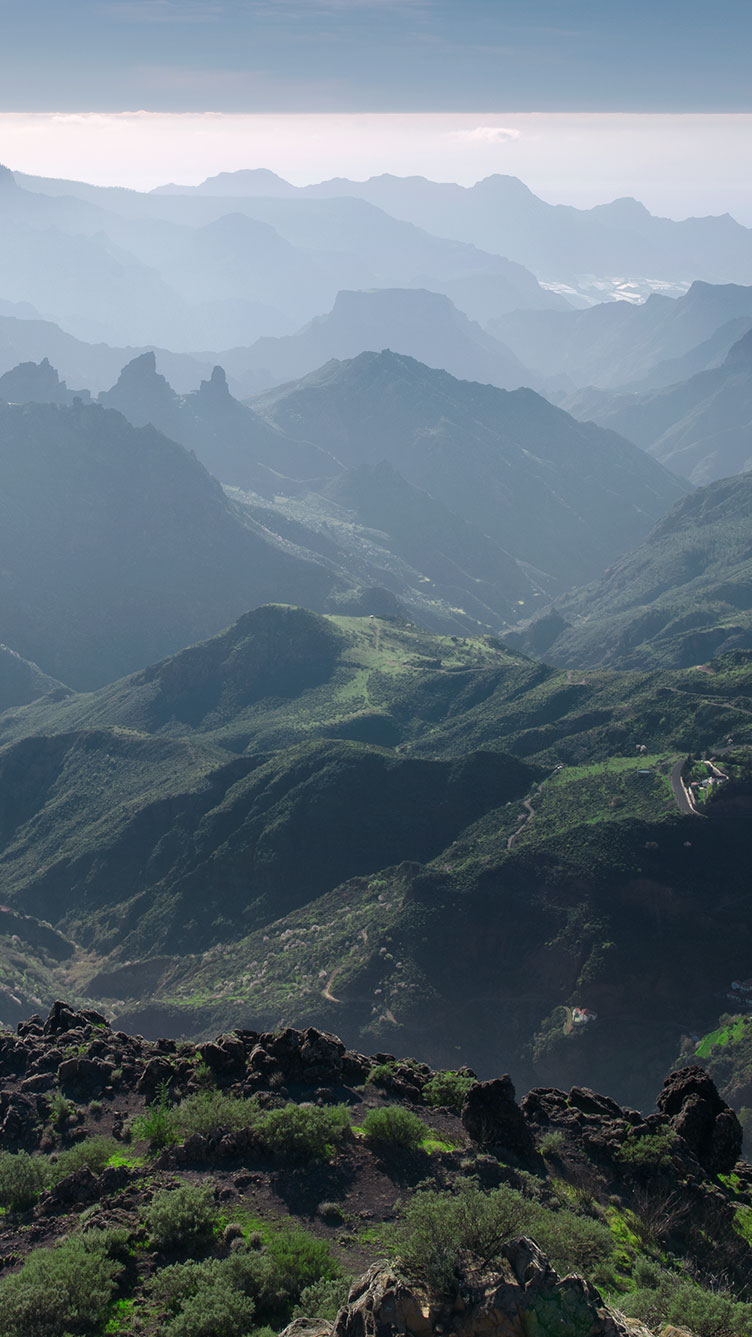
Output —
<point x="682" y="597"/>
<point x="423" y="842"/>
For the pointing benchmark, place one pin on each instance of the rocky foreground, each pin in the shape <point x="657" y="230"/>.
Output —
<point x="281" y="1132"/>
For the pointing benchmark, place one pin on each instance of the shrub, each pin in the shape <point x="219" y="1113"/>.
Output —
<point x="300" y="1260"/>
<point x="156" y="1125"/>
<point x="323" y="1299"/>
<point x="94" y="1152"/>
<point x="438" y="1228"/>
<point x="304" y="1132"/>
<point x="210" y="1112"/>
<point x="381" y="1074"/>
<point x="440" y="1232"/>
<point x="60" y="1111"/>
<point x="21" y="1178"/>
<point x="214" y="1311"/>
<point x="678" y="1301"/>
<point x="447" y="1088"/>
<point x="203" y="1299"/>
<point x="183" y="1219"/>
<point x="572" y="1243"/>
<point x="58" y="1291"/>
<point x="330" y="1211"/>
<point x="552" y="1143"/>
<point x="395" y="1126"/>
<point x="647" y="1154"/>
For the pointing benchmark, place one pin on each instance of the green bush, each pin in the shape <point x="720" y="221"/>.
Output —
<point x="93" y="1152"/>
<point x="648" y="1153"/>
<point x="182" y="1219"/>
<point x="299" y="1261"/>
<point x="323" y="1299"/>
<point x="304" y="1132"/>
<point x="552" y="1143"/>
<point x="438" y="1228"/>
<point x="678" y="1301"/>
<point x="572" y="1243"/>
<point x="395" y="1126"/>
<point x="65" y="1290"/>
<point x="381" y="1075"/>
<point x="21" y="1178"/>
<point x="209" y="1112"/>
<point x="441" y="1232"/>
<point x="156" y="1124"/>
<point x="214" y="1311"/>
<point x="448" y="1089"/>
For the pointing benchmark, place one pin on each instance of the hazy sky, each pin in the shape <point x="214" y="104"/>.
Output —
<point x="581" y="159"/>
<point x="375" y="55"/>
<point x="136" y="92"/>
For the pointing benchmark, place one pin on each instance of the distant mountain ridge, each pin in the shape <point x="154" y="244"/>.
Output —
<point x="116" y="545"/>
<point x="555" y="494"/>
<point x="500" y="213"/>
<point x="424" y="325"/>
<point x="617" y="344"/>
<point x="680" y="598"/>
<point x="700" y="428"/>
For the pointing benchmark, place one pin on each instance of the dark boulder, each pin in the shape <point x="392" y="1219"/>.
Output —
<point x="492" y="1117"/>
<point x="84" y="1075"/>
<point x="691" y="1103"/>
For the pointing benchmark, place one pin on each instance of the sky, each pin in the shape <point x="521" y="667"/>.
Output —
<point x="585" y="100"/>
<point x="375" y="55"/>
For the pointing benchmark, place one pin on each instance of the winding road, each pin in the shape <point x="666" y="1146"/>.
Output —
<point x="682" y="796"/>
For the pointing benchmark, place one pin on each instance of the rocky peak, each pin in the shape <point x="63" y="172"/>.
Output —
<point x="216" y="388"/>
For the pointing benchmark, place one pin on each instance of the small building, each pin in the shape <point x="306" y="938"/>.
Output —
<point x="582" y="1016"/>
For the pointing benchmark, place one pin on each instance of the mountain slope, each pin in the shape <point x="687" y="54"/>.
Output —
<point x="116" y="545"/>
<point x="232" y="441"/>
<point x="617" y="343"/>
<point x="561" y="496"/>
<point x="683" y="596"/>
<point x="501" y="214"/>
<point x="700" y="428"/>
<point x="217" y="833"/>
<point x="424" y="325"/>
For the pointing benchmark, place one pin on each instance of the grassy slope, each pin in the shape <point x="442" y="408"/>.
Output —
<point x="280" y="866"/>
<point x="680" y="598"/>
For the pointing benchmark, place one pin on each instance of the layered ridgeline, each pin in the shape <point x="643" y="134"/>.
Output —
<point x="194" y="273"/>
<point x="681" y="597"/>
<point x="556" y="494"/>
<point x="641" y="346"/>
<point x="424" y="325"/>
<point x="419" y="841"/>
<point x="700" y="428"/>
<point x="397" y="485"/>
<point x="278" y="1181"/>
<point x="116" y="545"/>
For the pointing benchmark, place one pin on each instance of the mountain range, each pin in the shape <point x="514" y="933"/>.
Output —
<point x="619" y="344"/>
<point x="700" y="428"/>
<point x="501" y="214"/>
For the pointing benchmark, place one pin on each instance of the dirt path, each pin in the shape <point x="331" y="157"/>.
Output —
<point x="326" y="992"/>
<point x="526" y="803"/>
